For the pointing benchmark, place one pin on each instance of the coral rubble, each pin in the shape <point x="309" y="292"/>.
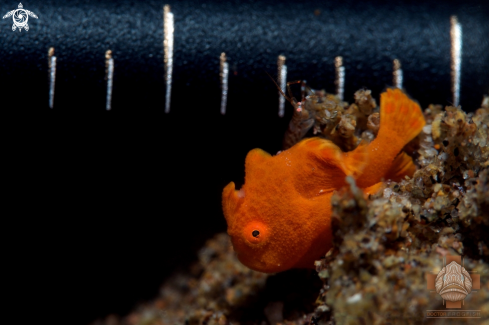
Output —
<point x="386" y="243"/>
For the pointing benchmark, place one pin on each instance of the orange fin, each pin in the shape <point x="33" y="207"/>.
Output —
<point x="401" y="166"/>
<point x="324" y="149"/>
<point x="336" y="164"/>
<point x="350" y="163"/>
<point x="373" y="189"/>
<point x="400" y="116"/>
<point x="327" y="161"/>
<point x="355" y="161"/>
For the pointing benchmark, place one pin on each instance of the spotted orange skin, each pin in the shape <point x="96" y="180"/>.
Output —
<point x="281" y="217"/>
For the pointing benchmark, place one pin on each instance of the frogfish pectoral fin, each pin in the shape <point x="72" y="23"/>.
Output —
<point x="401" y="166"/>
<point x="373" y="189"/>
<point x="325" y="166"/>
<point x="351" y="163"/>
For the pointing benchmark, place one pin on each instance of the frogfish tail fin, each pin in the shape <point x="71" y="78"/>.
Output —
<point x="400" y="116"/>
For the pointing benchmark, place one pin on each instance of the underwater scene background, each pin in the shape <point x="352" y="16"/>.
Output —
<point x="113" y="204"/>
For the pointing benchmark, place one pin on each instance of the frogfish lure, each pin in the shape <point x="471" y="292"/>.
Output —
<point x="281" y="217"/>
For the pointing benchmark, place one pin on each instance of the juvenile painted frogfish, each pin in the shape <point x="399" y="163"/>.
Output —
<point x="281" y="217"/>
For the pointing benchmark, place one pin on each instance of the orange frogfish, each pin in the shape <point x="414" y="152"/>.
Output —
<point x="281" y="217"/>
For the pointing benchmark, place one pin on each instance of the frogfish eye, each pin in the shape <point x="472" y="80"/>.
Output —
<point x="256" y="232"/>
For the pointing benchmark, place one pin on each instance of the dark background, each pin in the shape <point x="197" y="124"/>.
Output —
<point x="108" y="204"/>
